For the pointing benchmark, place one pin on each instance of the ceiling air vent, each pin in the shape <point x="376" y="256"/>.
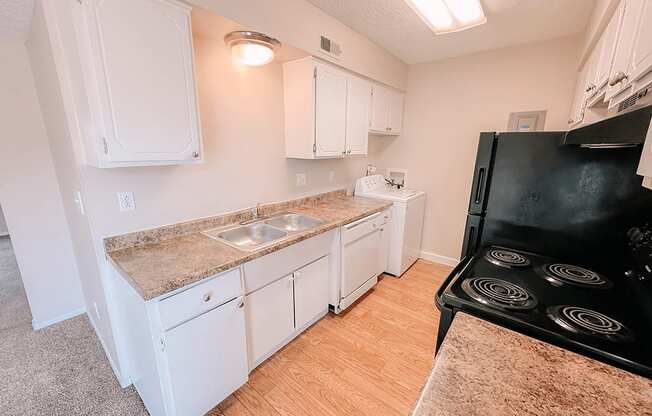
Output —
<point x="330" y="48"/>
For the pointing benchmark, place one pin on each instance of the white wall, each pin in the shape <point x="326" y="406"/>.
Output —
<point x="31" y="198"/>
<point x="450" y="102"/>
<point x="61" y="128"/>
<point x="300" y="24"/>
<point x="3" y="224"/>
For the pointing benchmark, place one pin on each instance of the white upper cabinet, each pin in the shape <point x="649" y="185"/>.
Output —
<point x="326" y="111"/>
<point x="386" y="111"/>
<point x="357" y="115"/>
<point x="620" y="76"/>
<point x="579" y="99"/>
<point x="608" y="48"/>
<point x="137" y="59"/>
<point x="330" y="111"/>
<point x="642" y="54"/>
<point x="395" y="112"/>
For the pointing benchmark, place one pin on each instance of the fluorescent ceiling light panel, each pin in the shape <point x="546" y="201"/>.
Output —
<point x="447" y="16"/>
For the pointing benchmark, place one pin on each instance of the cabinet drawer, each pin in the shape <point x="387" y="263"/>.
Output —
<point x="192" y="302"/>
<point x="357" y="229"/>
<point x="264" y="270"/>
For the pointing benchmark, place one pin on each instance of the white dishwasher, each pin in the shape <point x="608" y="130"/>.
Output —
<point x="362" y="248"/>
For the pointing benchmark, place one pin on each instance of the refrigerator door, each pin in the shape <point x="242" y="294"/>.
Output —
<point x="479" y="190"/>
<point x="471" y="235"/>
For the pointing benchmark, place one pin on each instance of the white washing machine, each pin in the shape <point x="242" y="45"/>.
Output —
<point x="407" y="220"/>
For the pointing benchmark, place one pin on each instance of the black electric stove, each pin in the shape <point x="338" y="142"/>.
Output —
<point x="593" y="312"/>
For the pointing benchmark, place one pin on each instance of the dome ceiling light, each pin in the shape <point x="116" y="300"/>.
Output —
<point x="251" y="48"/>
<point x="448" y="16"/>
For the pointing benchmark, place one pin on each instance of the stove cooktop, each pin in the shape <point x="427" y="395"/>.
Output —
<point x="568" y="305"/>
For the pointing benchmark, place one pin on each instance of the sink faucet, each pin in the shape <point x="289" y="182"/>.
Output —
<point x="255" y="211"/>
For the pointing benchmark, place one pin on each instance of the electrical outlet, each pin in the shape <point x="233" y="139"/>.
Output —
<point x="301" y="179"/>
<point x="331" y="176"/>
<point x="126" y="201"/>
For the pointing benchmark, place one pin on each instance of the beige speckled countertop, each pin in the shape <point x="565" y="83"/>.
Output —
<point x="161" y="267"/>
<point x="484" y="369"/>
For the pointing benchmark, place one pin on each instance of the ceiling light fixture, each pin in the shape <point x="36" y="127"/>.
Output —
<point x="447" y="16"/>
<point x="251" y="48"/>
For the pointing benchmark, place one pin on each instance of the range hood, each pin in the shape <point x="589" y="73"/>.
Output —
<point x="627" y="128"/>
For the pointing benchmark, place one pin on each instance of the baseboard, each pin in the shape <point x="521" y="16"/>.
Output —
<point x="438" y="258"/>
<point x="42" y="324"/>
<point x="123" y="383"/>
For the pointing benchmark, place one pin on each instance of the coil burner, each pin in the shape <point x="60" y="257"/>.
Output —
<point x="506" y="258"/>
<point x="498" y="293"/>
<point x="559" y="274"/>
<point x="589" y="322"/>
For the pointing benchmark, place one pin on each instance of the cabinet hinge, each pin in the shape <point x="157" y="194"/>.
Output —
<point x="314" y="147"/>
<point x="105" y="145"/>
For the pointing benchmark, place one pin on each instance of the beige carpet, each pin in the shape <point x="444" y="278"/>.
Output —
<point x="59" y="370"/>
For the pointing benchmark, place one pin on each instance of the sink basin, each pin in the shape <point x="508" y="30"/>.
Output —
<point x="293" y="223"/>
<point x="248" y="237"/>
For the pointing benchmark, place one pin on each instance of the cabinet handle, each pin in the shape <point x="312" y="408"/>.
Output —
<point x="241" y="302"/>
<point x="617" y="77"/>
<point x="348" y="151"/>
<point x="571" y="121"/>
<point x="195" y="154"/>
<point x="207" y="297"/>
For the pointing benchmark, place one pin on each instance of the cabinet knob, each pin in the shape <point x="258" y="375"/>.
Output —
<point x="195" y="154"/>
<point x="348" y="151"/>
<point x="617" y="77"/>
<point x="207" y="297"/>
<point x="571" y="121"/>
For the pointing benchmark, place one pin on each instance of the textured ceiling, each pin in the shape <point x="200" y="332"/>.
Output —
<point x="394" y="26"/>
<point x="15" y="19"/>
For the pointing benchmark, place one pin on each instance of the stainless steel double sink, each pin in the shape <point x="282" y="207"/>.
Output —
<point x="263" y="232"/>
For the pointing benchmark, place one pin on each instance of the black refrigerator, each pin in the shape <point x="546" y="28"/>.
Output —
<point x="561" y="194"/>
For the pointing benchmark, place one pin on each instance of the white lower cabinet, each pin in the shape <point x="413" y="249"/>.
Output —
<point x="279" y="311"/>
<point x="310" y="292"/>
<point x="206" y="358"/>
<point x="270" y="318"/>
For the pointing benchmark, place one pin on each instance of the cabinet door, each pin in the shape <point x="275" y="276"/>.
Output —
<point x="311" y="291"/>
<point x="621" y="68"/>
<point x="139" y="61"/>
<point x="357" y="116"/>
<point x="395" y="112"/>
<point x="270" y="318"/>
<point x="330" y="112"/>
<point x="579" y="99"/>
<point x="379" y="109"/>
<point x="590" y="86"/>
<point x="207" y="358"/>
<point x="642" y="55"/>
<point x="609" y="38"/>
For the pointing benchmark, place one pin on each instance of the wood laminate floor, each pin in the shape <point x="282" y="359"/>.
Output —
<point x="371" y="360"/>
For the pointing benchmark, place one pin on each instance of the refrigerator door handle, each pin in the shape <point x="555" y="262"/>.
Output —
<point x="480" y="185"/>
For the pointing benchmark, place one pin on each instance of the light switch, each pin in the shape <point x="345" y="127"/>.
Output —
<point x="301" y="179"/>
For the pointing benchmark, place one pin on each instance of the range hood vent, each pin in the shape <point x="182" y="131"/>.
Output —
<point x="626" y="129"/>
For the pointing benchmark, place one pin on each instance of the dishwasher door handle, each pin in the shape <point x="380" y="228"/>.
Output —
<point x="361" y="221"/>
